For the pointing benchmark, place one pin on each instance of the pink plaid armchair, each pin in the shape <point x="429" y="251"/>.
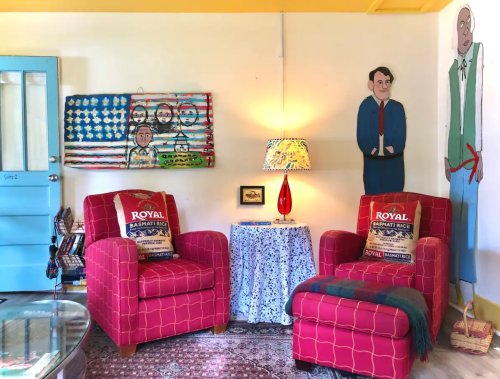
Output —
<point x="340" y="253"/>
<point x="363" y="337"/>
<point x="139" y="302"/>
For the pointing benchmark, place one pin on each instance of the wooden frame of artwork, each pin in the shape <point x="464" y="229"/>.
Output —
<point x="252" y="195"/>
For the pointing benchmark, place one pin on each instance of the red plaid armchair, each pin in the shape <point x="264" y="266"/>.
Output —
<point x="362" y="337"/>
<point x="340" y="253"/>
<point x="139" y="302"/>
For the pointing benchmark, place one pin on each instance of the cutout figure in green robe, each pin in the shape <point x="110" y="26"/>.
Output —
<point x="463" y="158"/>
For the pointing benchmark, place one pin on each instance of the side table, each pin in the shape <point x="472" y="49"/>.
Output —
<point x="267" y="263"/>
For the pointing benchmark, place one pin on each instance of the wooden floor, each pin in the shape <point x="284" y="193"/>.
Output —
<point x="448" y="363"/>
<point x="444" y="361"/>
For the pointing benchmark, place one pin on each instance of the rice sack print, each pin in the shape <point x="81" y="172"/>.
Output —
<point x="143" y="219"/>
<point x="393" y="234"/>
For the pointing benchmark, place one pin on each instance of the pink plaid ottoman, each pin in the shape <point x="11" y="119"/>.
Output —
<point x="350" y="335"/>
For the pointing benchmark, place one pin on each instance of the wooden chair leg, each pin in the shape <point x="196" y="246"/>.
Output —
<point x="127" y="351"/>
<point x="303" y="365"/>
<point x="218" y="329"/>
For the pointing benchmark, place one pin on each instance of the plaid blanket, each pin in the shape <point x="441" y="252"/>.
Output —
<point x="407" y="299"/>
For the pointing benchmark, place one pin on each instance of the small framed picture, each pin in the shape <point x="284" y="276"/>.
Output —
<point x="252" y="195"/>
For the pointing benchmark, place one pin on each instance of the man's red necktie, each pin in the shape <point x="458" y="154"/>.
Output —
<point x="381" y="119"/>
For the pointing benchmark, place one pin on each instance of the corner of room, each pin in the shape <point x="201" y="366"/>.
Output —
<point x="149" y="156"/>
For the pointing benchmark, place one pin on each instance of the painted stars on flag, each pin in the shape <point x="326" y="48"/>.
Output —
<point x="95" y="131"/>
<point x="96" y="118"/>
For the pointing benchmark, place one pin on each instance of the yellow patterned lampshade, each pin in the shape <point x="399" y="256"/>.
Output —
<point x="287" y="154"/>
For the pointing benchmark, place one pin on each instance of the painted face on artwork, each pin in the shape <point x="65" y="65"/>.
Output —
<point x="381" y="86"/>
<point x="188" y="114"/>
<point x="139" y="114"/>
<point x="144" y="136"/>
<point x="464" y="26"/>
<point x="164" y="113"/>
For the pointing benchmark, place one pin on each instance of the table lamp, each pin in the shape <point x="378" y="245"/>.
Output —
<point x="286" y="154"/>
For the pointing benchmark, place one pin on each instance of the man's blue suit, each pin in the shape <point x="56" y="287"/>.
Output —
<point x="382" y="174"/>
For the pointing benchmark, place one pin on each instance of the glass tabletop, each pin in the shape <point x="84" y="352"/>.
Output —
<point x="38" y="337"/>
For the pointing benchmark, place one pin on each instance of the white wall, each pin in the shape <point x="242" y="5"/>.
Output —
<point x="486" y="31"/>
<point x="236" y="57"/>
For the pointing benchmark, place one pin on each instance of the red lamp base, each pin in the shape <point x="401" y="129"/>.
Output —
<point x="285" y="198"/>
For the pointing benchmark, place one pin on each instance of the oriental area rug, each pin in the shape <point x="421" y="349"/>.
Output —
<point x="244" y="351"/>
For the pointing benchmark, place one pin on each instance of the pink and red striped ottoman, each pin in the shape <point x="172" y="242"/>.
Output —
<point x="363" y="338"/>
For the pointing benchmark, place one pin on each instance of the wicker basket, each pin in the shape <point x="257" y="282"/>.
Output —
<point x="471" y="335"/>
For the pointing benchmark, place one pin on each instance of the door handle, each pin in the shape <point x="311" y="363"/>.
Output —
<point x="53" y="178"/>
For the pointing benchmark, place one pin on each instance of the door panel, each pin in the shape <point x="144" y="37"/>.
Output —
<point x="36" y="121"/>
<point x="29" y="131"/>
<point x="27" y="262"/>
<point x="35" y="229"/>
<point x="20" y="255"/>
<point x="28" y="196"/>
<point x="11" y="121"/>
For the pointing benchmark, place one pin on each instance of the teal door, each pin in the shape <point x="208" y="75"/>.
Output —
<point x="30" y="191"/>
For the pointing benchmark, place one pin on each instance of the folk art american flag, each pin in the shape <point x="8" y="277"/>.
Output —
<point x="120" y="131"/>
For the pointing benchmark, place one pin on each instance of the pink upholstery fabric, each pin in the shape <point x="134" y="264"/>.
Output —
<point x="349" y="314"/>
<point x="344" y="349"/>
<point x="378" y="272"/>
<point x="101" y="220"/>
<point x="113" y="279"/>
<point x="172" y="277"/>
<point x="112" y="288"/>
<point x="211" y="249"/>
<point x="172" y="315"/>
<point x="432" y="257"/>
<point x="366" y="338"/>
<point x="338" y="247"/>
<point x="435" y="220"/>
<point x="432" y="277"/>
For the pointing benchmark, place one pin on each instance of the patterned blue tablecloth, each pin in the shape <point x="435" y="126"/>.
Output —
<point x="267" y="263"/>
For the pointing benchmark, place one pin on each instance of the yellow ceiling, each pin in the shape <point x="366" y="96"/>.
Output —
<point x="224" y="6"/>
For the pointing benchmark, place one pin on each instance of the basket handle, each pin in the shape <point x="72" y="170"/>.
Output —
<point x="465" y="316"/>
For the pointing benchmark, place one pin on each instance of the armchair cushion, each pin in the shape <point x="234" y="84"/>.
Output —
<point x="378" y="272"/>
<point x="173" y="277"/>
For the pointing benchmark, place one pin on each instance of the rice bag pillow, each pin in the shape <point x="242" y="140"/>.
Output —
<point x="143" y="219"/>
<point x="394" y="230"/>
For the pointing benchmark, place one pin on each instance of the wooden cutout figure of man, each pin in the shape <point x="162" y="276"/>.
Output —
<point x="463" y="160"/>
<point x="381" y="136"/>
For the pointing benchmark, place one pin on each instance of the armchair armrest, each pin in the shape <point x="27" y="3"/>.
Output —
<point x="112" y="287"/>
<point x="337" y="247"/>
<point x="432" y="276"/>
<point x="210" y="248"/>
